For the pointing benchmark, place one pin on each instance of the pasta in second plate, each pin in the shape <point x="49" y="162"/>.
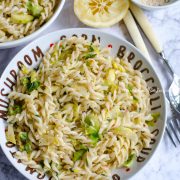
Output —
<point x="81" y="114"/>
<point x="19" y="18"/>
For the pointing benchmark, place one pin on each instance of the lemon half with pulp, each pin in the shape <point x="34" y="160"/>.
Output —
<point x="100" y="13"/>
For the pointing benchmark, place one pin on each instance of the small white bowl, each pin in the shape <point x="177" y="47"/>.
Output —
<point x="35" y="34"/>
<point x="148" y="7"/>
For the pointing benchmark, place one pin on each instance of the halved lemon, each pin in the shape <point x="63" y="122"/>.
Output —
<point x="100" y="13"/>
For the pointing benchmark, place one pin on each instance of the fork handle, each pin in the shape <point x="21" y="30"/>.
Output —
<point x="146" y="27"/>
<point x="149" y="32"/>
<point x="135" y="33"/>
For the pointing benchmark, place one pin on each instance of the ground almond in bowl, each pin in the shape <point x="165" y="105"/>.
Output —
<point x="155" y="2"/>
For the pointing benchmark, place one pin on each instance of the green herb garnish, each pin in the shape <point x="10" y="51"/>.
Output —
<point x="150" y="123"/>
<point x="34" y="9"/>
<point x="30" y="86"/>
<point x="130" y="161"/>
<point x="28" y="147"/>
<point x="33" y="86"/>
<point x="90" y="55"/>
<point x="78" y="154"/>
<point x="155" y="117"/>
<point x="23" y="136"/>
<point x="13" y="110"/>
<point x="92" y="128"/>
<point x="91" y="49"/>
<point x="130" y="89"/>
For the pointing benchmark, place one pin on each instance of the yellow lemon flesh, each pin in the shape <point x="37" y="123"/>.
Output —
<point x="100" y="13"/>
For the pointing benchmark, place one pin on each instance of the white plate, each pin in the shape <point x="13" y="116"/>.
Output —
<point x="31" y="56"/>
<point x="147" y="7"/>
<point x="35" y="34"/>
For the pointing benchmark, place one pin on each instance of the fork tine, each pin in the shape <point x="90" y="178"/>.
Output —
<point x="173" y="129"/>
<point x="174" y="117"/>
<point x="170" y="137"/>
<point x="177" y="124"/>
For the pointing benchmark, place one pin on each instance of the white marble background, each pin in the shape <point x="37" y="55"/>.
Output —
<point x="165" y="164"/>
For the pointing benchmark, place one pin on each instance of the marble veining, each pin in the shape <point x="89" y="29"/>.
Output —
<point x="165" y="163"/>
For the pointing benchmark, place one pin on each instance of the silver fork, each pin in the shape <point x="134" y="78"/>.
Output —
<point x="172" y="128"/>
